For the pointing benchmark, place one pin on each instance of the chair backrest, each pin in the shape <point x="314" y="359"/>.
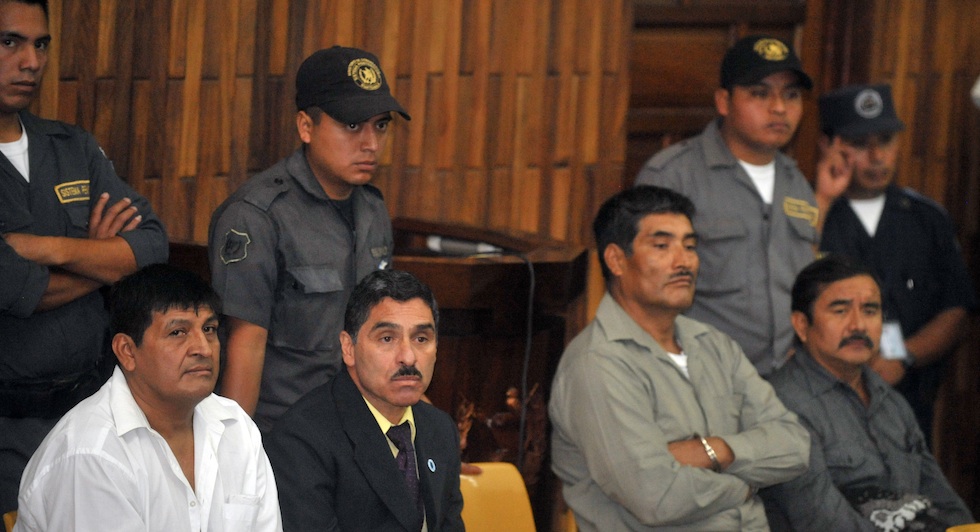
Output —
<point x="496" y="500"/>
<point x="972" y="527"/>
<point x="9" y="519"/>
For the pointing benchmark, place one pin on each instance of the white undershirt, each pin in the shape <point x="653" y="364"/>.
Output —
<point x="869" y="212"/>
<point x="681" y="361"/>
<point x="764" y="177"/>
<point x="16" y="153"/>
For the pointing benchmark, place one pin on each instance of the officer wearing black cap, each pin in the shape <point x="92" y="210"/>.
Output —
<point x="287" y="248"/>
<point x="905" y="238"/>
<point x="756" y="214"/>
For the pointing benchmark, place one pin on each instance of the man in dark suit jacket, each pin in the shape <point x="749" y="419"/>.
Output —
<point x="335" y="467"/>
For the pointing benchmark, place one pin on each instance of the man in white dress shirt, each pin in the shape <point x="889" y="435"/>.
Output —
<point x="154" y="448"/>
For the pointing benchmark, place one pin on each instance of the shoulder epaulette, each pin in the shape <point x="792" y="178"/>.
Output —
<point x="663" y="157"/>
<point x="915" y="195"/>
<point x="264" y="194"/>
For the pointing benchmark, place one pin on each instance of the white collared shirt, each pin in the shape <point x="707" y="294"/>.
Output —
<point x="103" y="467"/>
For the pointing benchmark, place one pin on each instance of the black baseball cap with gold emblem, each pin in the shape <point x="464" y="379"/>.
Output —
<point x="859" y="110"/>
<point x="753" y="58"/>
<point x="346" y="83"/>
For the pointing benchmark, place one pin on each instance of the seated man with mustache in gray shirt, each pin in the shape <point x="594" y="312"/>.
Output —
<point x="869" y="465"/>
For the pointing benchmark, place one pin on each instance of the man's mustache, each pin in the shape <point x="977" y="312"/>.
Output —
<point x="685" y="272"/>
<point x="861" y="337"/>
<point x="407" y="371"/>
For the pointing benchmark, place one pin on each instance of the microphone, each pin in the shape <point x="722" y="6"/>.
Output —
<point x="453" y="246"/>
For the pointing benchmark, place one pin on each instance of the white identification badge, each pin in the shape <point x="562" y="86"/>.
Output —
<point x="892" y="341"/>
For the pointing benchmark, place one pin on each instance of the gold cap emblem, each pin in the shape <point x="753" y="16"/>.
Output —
<point x="771" y="49"/>
<point x="365" y="74"/>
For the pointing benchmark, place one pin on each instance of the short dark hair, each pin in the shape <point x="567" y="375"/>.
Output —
<point x="379" y="284"/>
<point x="156" y="288"/>
<point x="315" y="114"/>
<point x="42" y="3"/>
<point x="818" y="275"/>
<point x="618" y="219"/>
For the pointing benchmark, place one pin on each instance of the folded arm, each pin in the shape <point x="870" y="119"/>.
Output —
<point x="628" y="454"/>
<point x="772" y="446"/>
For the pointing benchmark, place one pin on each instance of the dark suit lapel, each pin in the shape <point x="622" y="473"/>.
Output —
<point x="371" y="452"/>
<point x="433" y="465"/>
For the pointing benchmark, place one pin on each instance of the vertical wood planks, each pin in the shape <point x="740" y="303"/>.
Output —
<point x="513" y="102"/>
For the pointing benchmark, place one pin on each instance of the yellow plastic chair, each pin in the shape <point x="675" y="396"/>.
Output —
<point x="972" y="527"/>
<point x="496" y="500"/>
<point x="568" y="521"/>
<point x="9" y="519"/>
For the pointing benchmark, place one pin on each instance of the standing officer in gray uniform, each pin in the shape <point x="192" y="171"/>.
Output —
<point x="288" y="247"/>
<point x="757" y="215"/>
<point x="68" y="227"/>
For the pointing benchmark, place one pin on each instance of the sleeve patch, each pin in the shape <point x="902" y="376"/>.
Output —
<point x="235" y="248"/>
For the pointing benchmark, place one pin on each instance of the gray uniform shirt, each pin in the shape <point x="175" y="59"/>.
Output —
<point x="853" y="446"/>
<point x="284" y="258"/>
<point x="617" y="401"/>
<point x="750" y="252"/>
<point x="68" y="173"/>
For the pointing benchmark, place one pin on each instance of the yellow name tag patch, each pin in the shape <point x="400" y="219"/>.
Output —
<point x="798" y="208"/>
<point x="72" y="191"/>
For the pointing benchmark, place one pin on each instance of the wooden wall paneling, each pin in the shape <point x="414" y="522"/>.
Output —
<point x="517" y="199"/>
<point x="589" y="66"/>
<point x="563" y="44"/>
<point x="661" y="65"/>
<point x="46" y="104"/>
<point x="382" y="37"/>
<point x="106" y="49"/>
<point x="81" y="65"/>
<point x="116" y="66"/>
<point x="446" y="147"/>
<point x="476" y="41"/>
<point x="223" y="114"/>
<point x="278" y="30"/>
<point x="190" y="120"/>
<point x="137" y="170"/>
<point x="429" y="195"/>
<point x="473" y="204"/>
<point x="503" y="45"/>
<point x="419" y="70"/>
<point x="559" y="194"/>
<point x="67" y="107"/>
<point x="209" y="165"/>
<point x="246" y="45"/>
<point x="391" y="179"/>
<point x="500" y="187"/>
<point x="550" y="200"/>
<point x="69" y="39"/>
<point x="172" y="203"/>
<point x="150" y="129"/>
<point x="537" y="143"/>
<point x="177" y="53"/>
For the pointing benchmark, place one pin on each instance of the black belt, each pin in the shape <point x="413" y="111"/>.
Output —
<point x="47" y="399"/>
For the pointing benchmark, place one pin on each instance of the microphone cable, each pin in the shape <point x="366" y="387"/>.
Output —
<point x="528" y="338"/>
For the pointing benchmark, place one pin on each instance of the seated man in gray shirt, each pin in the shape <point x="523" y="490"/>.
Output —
<point x="869" y="465"/>
<point x="660" y="421"/>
